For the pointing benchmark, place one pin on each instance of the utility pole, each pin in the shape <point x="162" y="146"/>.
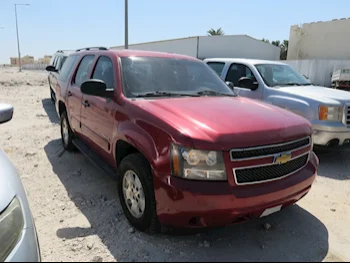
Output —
<point x="19" y="51"/>
<point x="126" y="26"/>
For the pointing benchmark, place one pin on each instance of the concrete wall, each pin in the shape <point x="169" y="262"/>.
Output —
<point x="238" y="46"/>
<point x="184" y="46"/>
<point x="322" y="40"/>
<point x="34" y="66"/>
<point x="318" y="71"/>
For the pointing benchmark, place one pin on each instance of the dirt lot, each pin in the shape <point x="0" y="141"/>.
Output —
<point x="79" y="218"/>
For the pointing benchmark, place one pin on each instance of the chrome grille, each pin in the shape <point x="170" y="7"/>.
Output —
<point x="259" y="174"/>
<point x="347" y="115"/>
<point x="268" y="150"/>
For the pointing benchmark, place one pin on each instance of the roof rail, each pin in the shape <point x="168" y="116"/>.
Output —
<point x="62" y="51"/>
<point x="89" y="48"/>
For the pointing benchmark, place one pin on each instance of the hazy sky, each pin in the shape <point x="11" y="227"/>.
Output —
<point x="49" y="25"/>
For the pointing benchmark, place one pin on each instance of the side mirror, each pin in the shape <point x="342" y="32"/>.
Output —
<point x="248" y="83"/>
<point x="230" y="84"/>
<point x="51" y="69"/>
<point x="96" y="87"/>
<point x="6" y="113"/>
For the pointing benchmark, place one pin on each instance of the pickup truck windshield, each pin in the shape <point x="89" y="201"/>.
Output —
<point x="168" y="77"/>
<point x="275" y="75"/>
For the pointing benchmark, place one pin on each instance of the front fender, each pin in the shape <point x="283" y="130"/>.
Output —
<point x="295" y="105"/>
<point x="151" y="141"/>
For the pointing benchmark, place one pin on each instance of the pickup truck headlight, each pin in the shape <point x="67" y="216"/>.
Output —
<point x="197" y="164"/>
<point x="11" y="226"/>
<point x="330" y="113"/>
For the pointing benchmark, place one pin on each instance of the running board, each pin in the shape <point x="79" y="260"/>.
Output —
<point x="94" y="158"/>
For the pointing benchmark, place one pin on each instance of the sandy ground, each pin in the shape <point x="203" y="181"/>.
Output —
<point x="79" y="218"/>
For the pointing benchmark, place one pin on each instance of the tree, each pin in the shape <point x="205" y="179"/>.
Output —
<point x="265" y="40"/>
<point x="276" y="43"/>
<point x="218" y="32"/>
<point x="284" y="49"/>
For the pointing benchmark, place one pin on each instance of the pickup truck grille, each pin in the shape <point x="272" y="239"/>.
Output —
<point x="250" y="175"/>
<point x="264" y="151"/>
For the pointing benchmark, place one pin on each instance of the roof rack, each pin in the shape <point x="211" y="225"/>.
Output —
<point x="62" y="51"/>
<point x="89" y="48"/>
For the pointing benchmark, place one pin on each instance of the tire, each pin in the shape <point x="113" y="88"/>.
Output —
<point x="148" y="221"/>
<point x="67" y="135"/>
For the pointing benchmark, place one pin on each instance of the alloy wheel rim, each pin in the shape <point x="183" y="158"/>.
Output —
<point x="133" y="194"/>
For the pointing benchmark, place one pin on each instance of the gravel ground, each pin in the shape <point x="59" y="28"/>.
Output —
<point x="78" y="216"/>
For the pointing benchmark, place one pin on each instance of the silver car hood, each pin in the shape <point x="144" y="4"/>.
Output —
<point x="8" y="179"/>
<point x="11" y="186"/>
<point x="320" y="94"/>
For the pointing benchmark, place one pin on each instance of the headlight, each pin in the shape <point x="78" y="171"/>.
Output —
<point x="197" y="165"/>
<point x="330" y="113"/>
<point x="11" y="226"/>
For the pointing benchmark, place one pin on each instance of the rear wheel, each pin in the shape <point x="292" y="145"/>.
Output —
<point x="136" y="193"/>
<point x="66" y="133"/>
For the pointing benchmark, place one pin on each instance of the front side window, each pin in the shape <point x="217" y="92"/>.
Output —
<point x="238" y="71"/>
<point x="104" y="71"/>
<point x="84" y="70"/>
<point x="148" y="76"/>
<point x="275" y="75"/>
<point x="218" y="67"/>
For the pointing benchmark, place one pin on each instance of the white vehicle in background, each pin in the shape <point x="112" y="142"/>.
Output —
<point x="341" y="79"/>
<point x="278" y="84"/>
<point x="18" y="238"/>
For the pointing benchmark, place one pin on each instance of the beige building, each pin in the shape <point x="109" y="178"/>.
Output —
<point x="24" y="60"/>
<point x="321" y="40"/>
<point x="45" y="60"/>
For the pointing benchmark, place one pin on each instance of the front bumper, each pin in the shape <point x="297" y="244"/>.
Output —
<point x="330" y="134"/>
<point x="27" y="249"/>
<point x="191" y="204"/>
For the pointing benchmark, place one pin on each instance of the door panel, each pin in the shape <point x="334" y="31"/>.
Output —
<point x="74" y="98"/>
<point x="74" y="95"/>
<point x="98" y="113"/>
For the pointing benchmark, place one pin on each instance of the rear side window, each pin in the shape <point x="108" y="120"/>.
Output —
<point x="58" y="63"/>
<point x="104" y="71"/>
<point x="83" y="70"/>
<point x="218" y="67"/>
<point x="67" y="68"/>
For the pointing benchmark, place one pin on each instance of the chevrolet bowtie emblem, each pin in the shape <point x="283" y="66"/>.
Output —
<point x="282" y="158"/>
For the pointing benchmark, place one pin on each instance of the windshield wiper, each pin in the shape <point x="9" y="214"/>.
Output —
<point x="291" y="84"/>
<point x="214" y="93"/>
<point x="165" y="94"/>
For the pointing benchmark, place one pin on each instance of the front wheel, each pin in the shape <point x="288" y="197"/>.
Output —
<point x="136" y="193"/>
<point x="66" y="133"/>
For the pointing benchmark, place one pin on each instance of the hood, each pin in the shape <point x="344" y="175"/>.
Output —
<point x="11" y="186"/>
<point x="222" y="123"/>
<point x="8" y="177"/>
<point x="320" y="94"/>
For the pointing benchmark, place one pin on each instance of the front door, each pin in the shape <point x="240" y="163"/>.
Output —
<point x="98" y="113"/>
<point x="237" y="71"/>
<point x="74" y="95"/>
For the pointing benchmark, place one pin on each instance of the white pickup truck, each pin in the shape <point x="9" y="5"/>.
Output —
<point x="341" y="79"/>
<point x="279" y="84"/>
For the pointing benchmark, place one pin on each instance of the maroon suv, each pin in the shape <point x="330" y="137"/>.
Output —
<point x="187" y="151"/>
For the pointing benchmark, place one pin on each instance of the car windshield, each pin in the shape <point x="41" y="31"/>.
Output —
<point x="165" y="77"/>
<point x="276" y="75"/>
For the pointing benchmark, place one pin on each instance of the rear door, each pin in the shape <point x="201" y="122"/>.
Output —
<point x="74" y="95"/>
<point x="98" y="113"/>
